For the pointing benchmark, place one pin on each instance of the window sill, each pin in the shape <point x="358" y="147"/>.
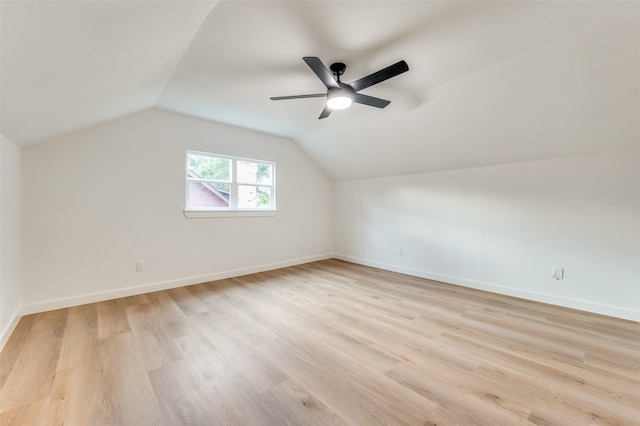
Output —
<point x="198" y="214"/>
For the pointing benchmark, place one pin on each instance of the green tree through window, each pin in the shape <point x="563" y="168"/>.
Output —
<point x="207" y="167"/>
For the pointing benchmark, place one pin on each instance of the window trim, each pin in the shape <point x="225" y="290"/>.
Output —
<point x="233" y="210"/>
<point x="201" y="214"/>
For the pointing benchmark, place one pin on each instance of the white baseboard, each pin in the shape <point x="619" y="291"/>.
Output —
<point x="8" y="328"/>
<point x="587" y="306"/>
<point x="582" y="305"/>
<point x="147" y="288"/>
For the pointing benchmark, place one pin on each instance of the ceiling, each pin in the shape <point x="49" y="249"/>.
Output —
<point x="489" y="82"/>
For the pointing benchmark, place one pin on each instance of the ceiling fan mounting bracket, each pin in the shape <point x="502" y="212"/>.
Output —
<point x="337" y="69"/>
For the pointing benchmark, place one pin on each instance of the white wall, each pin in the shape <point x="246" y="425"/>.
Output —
<point x="10" y="236"/>
<point x="98" y="200"/>
<point x="502" y="228"/>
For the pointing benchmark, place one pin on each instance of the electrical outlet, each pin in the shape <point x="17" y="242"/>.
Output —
<point x="557" y="273"/>
<point x="139" y="265"/>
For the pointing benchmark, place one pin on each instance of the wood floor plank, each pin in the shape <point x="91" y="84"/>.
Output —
<point x="350" y="344"/>
<point x="455" y="399"/>
<point x="536" y="362"/>
<point x="123" y="391"/>
<point x="186" y="397"/>
<point x="14" y="345"/>
<point x="33" y="413"/>
<point x="74" y="396"/>
<point x="301" y="406"/>
<point x="324" y="343"/>
<point x="80" y="336"/>
<point x="112" y="319"/>
<point x="132" y="300"/>
<point x="26" y="384"/>
<point x="186" y="302"/>
<point x="171" y="318"/>
<point x="338" y="385"/>
<point x="155" y="347"/>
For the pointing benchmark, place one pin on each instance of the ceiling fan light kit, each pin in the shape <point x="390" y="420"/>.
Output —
<point x="341" y="95"/>
<point x="339" y="99"/>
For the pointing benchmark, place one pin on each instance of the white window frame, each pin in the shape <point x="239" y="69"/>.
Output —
<point x="233" y="210"/>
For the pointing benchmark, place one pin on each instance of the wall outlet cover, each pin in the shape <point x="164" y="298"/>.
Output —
<point x="557" y="273"/>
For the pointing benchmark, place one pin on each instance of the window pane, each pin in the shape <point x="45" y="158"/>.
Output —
<point x="203" y="194"/>
<point x="264" y="174"/>
<point x="247" y="171"/>
<point x="263" y="197"/>
<point x="254" y="197"/>
<point x="251" y="172"/>
<point x="206" y="167"/>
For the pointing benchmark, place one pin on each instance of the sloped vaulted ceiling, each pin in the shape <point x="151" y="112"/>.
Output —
<point x="489" y="82"/>
<point x="72" y="64"/>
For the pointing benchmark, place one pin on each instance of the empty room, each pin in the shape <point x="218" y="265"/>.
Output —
<point x="319" y="212"/>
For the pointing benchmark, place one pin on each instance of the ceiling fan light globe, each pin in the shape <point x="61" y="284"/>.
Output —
<point x="339" y="102"/>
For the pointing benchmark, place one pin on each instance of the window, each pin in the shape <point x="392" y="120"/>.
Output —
<point x="223" y="183"/>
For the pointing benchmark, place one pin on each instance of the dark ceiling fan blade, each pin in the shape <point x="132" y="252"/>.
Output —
<point x="325" y="113"/>
<point x="282" y="98"/>
<point x="370" y="100"/>
<point x="321" y="71"/>
<point x="379" y="76"/>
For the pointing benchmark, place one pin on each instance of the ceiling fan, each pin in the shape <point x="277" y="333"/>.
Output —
<point x="340" y="95"/>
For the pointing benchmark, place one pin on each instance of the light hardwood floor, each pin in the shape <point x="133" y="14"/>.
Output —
<point x="327" y="343"/>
